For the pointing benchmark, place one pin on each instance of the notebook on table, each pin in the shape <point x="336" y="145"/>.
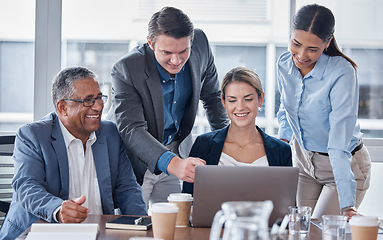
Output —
<point x="214" y="185"/>
<point x="130" y="223"/>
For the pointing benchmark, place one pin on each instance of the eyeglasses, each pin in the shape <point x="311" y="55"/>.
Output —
<point x="88" y="102"/>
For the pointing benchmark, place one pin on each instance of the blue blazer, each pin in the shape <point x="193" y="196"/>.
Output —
<point x="209" y="147"/>
<point x="41" y="180"/>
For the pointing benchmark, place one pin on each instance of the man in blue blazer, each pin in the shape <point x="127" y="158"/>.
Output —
<point x="70" y="163"/>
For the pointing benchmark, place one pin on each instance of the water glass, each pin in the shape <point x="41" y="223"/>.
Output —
<point x="299" y="220"/>
<point x="244" y="220"/>
<point x="334" y="227"/>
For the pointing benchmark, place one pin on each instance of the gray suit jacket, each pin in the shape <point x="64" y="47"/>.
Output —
<point x="138" y="103"/>
<point x="41" y="181"/>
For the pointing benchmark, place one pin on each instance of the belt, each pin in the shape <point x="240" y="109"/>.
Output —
<point x="357" y="148"/>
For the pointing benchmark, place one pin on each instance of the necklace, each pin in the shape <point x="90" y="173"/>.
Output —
<point x="243" y="146"/>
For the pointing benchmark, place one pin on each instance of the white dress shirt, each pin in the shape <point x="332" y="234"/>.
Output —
<point x="82" y="171"/>
<point x="227" y="160"/>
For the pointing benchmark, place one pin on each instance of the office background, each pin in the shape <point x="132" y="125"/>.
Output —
<point x="96" y="33"/>
<point x="39" y="37"/>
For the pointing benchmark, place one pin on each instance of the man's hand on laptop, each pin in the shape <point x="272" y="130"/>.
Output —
<point x="184" y="169"/>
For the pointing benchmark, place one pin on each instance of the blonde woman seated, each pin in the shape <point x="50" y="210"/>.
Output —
<point x="242" y="143"/>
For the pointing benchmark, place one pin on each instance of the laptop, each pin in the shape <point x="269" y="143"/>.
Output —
<point x="214" y="185"/>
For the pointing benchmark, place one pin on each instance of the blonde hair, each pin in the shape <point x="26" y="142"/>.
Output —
<point x="242" y="74"/>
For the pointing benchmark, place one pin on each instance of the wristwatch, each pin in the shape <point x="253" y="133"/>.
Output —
<point x="347" y="208"/>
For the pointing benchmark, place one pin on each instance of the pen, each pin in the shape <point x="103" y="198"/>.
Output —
<point x="138" y="220"/>
<point x="274" y="230"/>
<point x="284" y="224"/>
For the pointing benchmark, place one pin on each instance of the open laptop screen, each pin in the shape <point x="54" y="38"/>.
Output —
<point x="217" y="184"/>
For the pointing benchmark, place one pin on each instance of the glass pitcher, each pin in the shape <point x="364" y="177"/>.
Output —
<point x="243" y="221"/>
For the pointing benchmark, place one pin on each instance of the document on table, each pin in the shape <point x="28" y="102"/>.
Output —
<point x="58" y="231"/>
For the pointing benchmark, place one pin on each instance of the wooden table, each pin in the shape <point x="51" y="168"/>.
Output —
<point x="182" y="233"/>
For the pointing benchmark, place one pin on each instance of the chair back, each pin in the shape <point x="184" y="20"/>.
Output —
<point x="6" y="172"/>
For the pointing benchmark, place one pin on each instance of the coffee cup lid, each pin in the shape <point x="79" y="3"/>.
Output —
<point x="180" y="197"/>
<point x="164" y="207"/>
<point x="366" y="221"/>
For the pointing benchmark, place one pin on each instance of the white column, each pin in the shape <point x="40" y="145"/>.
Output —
<point x="293" y="6"/>
<point x="47" y="53"/>
<point x="270" y="88"/>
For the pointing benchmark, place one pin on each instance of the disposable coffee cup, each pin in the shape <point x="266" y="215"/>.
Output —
<point x="364" y="228"/>
<point x="164" y="217"/>
<point x="183" y="202"/>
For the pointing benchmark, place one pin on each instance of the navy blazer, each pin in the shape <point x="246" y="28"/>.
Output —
<point x="209" y="147"/>
<point x="41" y="180"/>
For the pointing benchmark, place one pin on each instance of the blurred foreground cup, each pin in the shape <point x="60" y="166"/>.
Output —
<point x="364" y="228"/>
<point x="334" y="227"/>
<point x="164" y="217"/>
<point x="299" y="220"/>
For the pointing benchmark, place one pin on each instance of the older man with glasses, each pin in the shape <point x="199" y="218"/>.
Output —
<point x="70" y="163"/>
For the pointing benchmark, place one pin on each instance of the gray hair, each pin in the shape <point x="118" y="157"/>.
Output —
<point x="62" y="83"/>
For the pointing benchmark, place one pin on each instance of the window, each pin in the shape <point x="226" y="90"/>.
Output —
<point x="99" y="57"/>
<point x="248" y="33"/>
<point x="16" y="63"/>
<point x="228" y="57"/>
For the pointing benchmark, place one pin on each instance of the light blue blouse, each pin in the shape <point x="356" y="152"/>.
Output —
<point x="321" y="111"/>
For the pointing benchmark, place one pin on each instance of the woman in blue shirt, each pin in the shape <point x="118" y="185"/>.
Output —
<point x="318" y="116"/>
<point x="241" y="143"/>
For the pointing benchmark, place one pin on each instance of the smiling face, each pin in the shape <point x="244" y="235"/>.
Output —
<point x="171" y="53"/>
<point x="306" y="48"/>
<point x="241" y="103"/>
<point x="79" y="120"/>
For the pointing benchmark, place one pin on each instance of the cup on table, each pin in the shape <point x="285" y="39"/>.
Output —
<point x="164" y="217"/>
<point x="183" y="202"/>
<point x="334" y="227"/>
<point x="364" y="228"/>
<point x="299" y="220"/>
